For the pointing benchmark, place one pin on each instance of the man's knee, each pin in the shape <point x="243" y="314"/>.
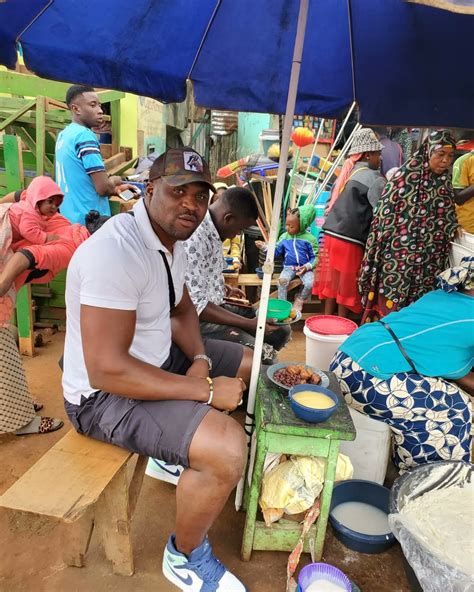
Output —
<point x="283" y="282"/>
<point x="232" y="452"/>
<point x="221" y="449"/>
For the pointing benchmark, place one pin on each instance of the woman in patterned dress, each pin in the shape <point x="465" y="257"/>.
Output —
<point x="413" y="371"/>
<point x="414" y="223"/>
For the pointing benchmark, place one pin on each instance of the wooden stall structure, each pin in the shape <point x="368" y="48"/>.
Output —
<point x="31" y="116"/>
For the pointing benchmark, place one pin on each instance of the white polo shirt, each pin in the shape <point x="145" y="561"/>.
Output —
<point x="120" y="267"/>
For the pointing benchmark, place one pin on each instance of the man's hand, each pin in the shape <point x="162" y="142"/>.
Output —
<point x="124" y="186"/>
<point x="198" y="369"/>
<point x="234" y="292"/>
<point x="253" y="323"/>
<point x="260" y="244"/>
<point x="228" y="393"/>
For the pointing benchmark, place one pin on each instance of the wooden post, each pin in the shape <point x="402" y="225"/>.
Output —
<point x="40" y="134"/>
<point x="13" y="163"/>
<point x="24" y="315"/>
<point x="113" y="523"/>
<point x="75" y="540"/>
<point x="115" y="116"/>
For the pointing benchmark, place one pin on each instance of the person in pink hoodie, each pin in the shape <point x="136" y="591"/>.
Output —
<point x="42" y="240"/>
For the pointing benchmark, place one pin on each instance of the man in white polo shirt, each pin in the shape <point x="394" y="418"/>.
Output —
<point x="133" y="331"/>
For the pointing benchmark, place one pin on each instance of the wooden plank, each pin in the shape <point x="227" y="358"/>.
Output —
<point x="30" y="119"/>
<point x="113" y="523"/>
<point x="80" y="469"/>
<point x="114" y="161"/>
<point x="106" y="151"/>
<point x="123" y="168"/>
<point x="24" y="315"/>
<point x="40" y="134"/>
<point x="14" y="173"/>
<point x="115" y="116"/>
<point x="31" y="144"/>
<point x="29" y="85"/>
<point x="16" y="114"/>
<point x="251" y="279"/>
<point x="282" y="536"/>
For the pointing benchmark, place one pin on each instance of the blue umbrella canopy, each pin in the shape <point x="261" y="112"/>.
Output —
<point x="404" y="63"/>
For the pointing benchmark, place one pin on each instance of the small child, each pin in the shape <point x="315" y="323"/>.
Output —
<point x="41" y="239"/>
<point x="299" y="248"/>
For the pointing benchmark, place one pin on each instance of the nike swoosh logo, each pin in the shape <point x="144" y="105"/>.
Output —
<point x="188" y="580"/>
<point x="175" y="473"/>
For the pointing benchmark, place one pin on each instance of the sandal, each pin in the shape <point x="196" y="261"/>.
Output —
<point x="41" y="425"/>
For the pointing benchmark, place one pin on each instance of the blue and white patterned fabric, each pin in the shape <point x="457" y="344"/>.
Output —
<point x="461" y="276"/>
<point x="430" y="418"/>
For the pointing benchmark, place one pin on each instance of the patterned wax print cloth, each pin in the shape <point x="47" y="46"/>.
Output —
<point x="460" y="276"/>
<point x="430" y="418"/>
<point x="409" y="239"/>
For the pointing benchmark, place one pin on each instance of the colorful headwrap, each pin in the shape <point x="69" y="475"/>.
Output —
<point x="461" y="276"/>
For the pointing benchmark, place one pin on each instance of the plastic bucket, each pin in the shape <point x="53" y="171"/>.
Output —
<point x="324" y="335"/>
<point x="370" y="451"/>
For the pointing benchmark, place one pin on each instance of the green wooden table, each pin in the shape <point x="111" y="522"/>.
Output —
<point x="279" y="430"/>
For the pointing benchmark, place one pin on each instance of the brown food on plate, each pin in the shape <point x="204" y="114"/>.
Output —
<point x="294" y="374"/>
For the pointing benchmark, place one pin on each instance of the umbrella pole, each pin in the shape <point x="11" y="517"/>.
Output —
<point x="310" y="161"/>
<point x="346" y="119"/>
<point x="336" y="163"/>
<point x="268" y="266"/>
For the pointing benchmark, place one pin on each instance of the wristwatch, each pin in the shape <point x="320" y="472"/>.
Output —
<point x="204" y="357"/>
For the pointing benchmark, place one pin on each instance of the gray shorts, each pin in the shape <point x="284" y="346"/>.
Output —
<point x="160" y="429"/>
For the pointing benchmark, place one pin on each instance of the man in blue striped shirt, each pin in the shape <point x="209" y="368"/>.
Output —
<point x="80" y="170"/>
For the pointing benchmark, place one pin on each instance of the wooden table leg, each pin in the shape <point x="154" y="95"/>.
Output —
<point x="249" y="530"/>
<point x="113" y="523"/>
<point x="76" y="537"/>
<point x="326" y="496"/>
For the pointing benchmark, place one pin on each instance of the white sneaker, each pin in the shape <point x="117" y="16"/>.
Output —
<point x="160" y="469"/>
<point x="200" y="572"/>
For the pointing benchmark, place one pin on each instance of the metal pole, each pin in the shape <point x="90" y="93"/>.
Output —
<point x="310" y="159"/>
<point x="346" y="119"/>
<point x="268" y="266"/>
<point x="336" y="163"/>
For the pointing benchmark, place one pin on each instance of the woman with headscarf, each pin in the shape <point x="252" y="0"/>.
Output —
<point x="413" y="371"/>
<point x="349" y="214"/>
<point x="414" y="223"/>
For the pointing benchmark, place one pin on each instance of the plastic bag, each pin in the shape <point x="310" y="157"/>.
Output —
<point x="433" y="574"/>
<point x="292" y="486"/>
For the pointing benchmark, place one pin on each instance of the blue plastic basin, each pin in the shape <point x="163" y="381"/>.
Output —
<point x="307" y="413"/>
<point x="368" y="492"/>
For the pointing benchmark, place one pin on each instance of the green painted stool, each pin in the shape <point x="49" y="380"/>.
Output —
<point x="279" y="430"/>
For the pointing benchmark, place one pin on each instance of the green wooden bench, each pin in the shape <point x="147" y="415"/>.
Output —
<point x="279" y="430"/>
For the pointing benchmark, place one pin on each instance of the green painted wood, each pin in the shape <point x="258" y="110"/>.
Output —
<point x="24" y="315"/>
<point x="16" y="114"/>
<point x="14" y="175"/>
<point x="279" y="430"/>
<point x="282" y="536"/>
<point x="40" y="132"/>
<point x="277" y="415"/>
<point x="115" y="116"/>
<point x="28" y="85"/>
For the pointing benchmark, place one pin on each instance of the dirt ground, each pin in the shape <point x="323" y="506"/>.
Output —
<point x="31" y="562"/>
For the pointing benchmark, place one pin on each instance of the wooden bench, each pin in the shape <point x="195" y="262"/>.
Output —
<point x="78" y="486"/>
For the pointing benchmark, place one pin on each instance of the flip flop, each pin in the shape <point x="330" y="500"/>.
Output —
<point x="40" y="425"/>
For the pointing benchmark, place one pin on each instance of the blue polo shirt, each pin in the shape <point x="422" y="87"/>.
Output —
<point x="437" y="332"/>
<point x="77" y="156"/>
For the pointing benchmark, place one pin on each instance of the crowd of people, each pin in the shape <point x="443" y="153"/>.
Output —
<point x="155" y="350"/>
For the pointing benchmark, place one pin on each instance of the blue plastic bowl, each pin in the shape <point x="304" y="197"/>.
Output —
<point x="368" y="492"/>
<point x="308" y="414"/>
<point x="259" y="272"/>
<point x="322" y="571"/>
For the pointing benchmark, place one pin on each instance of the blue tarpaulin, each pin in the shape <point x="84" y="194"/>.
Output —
<point x="404" y="63"/>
